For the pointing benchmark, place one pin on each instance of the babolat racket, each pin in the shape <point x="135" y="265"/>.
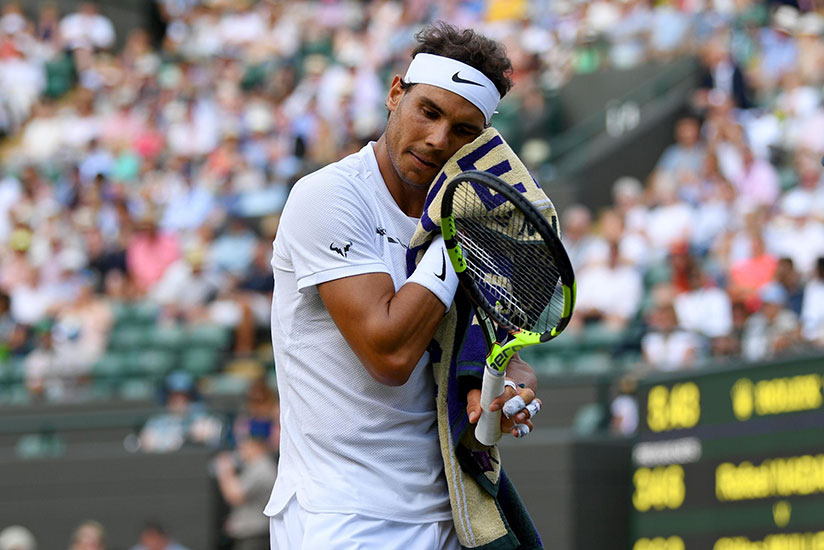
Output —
<point x="513" y="267"/>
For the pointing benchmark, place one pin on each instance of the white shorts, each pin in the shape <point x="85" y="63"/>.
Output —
<point x="294" y="528"/>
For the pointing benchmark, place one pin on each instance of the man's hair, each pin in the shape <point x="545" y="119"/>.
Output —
<point x="467" y="46"/>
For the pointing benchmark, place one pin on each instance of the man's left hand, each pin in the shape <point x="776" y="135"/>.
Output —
<point x="522" y="375"/>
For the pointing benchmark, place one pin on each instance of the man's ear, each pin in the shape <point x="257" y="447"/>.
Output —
<point x="393" y="98"/>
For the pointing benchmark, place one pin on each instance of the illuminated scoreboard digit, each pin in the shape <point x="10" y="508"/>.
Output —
<point x="671" y="408"/>
<point x="731" y="458"/>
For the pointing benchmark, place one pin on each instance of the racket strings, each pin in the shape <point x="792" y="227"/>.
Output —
<point x="512" y="266"/>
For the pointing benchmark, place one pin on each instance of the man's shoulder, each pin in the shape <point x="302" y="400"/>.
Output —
<point x="350" y="171"/>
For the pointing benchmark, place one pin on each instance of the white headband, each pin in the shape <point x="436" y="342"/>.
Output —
<point x="460" y="78"/>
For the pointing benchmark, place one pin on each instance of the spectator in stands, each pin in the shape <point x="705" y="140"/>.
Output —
<point x="246" y="487"/>
<point x="773" y="329"/>
<point x="778" y="49"/>
<point x="187" y="287"/>
<point x="633" y="248"/>
<point x="150" y="252"/>
<point x="256" y="279"/>
<point x="796" y="101"/>
<point x="15" y="268"/>
<point x="153" y="536"/>
<point x="47" y="28"/>
<point x="726" y="139"/>
<point x="714" y="212"/>
<point x="729" y="345"/>
<point x="614" y="304"/>
<point x="669" y="31"/>
<point x="810" y="47"/>
<point x="89" y="535"/>
<point x="51" y="370"/>
<point x="252" y="296"/>
<point x="624" y="407"/>
<point x="12" y="19"/>
<point x="796" y="234"/>
<point x="666" y="346"/>
<point x="748" y="276"/>
<point x="812" y="311"/>
<point x="686" y="155"/>
<point x="17" y="537"/>
<point x="736" y="244"/>
<point x="233" y="250"/>
<point x="22" y="74"/>
<point x="32" y="301"/>
<point x="704" y="308"/>
<point x="263" y="407"/>
<point x="87" y="28"/>
<point x="787" y="276"/>
<point x="722" y="78"/>
<point x="810" y="187"/>
<point x="188" y="208"/>
<point x="628" y="196"/>
<point x="681" y="263"/>
<point x="185" y="420"/>
<point x="578" y="238"/>
<point x="82" y="325"/>
<point x="103" y="256"/>
<point x="670" y="219"/>
<point x="628" y="34"/>
<point x="757" y="182"/>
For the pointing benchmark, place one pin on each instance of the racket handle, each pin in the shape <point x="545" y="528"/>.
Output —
<point x="488" y="430"/>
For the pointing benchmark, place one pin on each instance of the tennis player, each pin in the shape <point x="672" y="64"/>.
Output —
<point x="360" y="463"/>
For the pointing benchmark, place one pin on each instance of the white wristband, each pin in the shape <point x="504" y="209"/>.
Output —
<point x="435" y="272"/>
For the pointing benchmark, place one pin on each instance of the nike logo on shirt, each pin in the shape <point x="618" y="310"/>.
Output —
<point x="459" y="80"/>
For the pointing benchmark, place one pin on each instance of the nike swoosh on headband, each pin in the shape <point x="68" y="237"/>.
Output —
<point x="459" y="80"/>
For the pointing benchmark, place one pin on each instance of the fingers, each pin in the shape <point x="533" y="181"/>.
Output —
<point x="534" y="408"/>
<point x="512" y="406"/>
<point x="518" y="409"/>
<point x="519" y="412"/>
<point x="473" y="405"/>
<point x="521" y="430"/>
<point x="524" y="393"/>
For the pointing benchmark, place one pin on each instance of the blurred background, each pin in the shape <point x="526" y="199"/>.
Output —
<point x="147" y="148"/>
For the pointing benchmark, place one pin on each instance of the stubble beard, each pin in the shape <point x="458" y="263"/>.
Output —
<point x="394" y="159"/>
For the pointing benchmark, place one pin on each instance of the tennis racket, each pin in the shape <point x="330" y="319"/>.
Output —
<point x="515" y="271"/>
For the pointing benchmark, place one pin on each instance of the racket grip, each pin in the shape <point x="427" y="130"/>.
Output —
<point x="488" y="430"/>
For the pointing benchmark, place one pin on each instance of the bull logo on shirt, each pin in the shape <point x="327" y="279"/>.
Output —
<point x="342" y="250"/>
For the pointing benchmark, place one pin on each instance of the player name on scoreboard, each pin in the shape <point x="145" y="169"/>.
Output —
<point x="731" y="459"/>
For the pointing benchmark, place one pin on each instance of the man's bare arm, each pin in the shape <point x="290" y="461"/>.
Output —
<point x="388" y="331"/>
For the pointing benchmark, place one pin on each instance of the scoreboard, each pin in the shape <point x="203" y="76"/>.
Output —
<point x="730" y="458"/>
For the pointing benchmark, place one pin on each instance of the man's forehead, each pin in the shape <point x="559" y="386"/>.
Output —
<point x="450" y="103"/>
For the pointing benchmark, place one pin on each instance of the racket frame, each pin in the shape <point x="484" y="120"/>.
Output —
<point x="488" y="431"/>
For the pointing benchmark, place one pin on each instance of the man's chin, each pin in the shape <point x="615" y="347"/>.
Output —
<point x="418" y="183"/>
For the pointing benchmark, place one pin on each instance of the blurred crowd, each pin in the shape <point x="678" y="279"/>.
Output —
<point x="92" y="535"/>
<point x="244" y="445"/>
<point x="153" y="168"/>
<point x="720" y="252"/>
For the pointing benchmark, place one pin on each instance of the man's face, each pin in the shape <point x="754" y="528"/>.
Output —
<point x="153" y="540"/>
<point x="426" y="126"/>
<point x="687" y="132"/>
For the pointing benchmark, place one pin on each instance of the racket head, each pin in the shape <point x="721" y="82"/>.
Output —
<point x="509" y="258"/>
